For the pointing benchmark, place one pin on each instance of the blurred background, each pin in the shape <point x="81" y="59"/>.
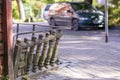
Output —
<point x="32" y="10"/>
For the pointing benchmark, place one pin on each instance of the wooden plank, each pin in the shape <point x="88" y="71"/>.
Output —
<point x="0" y="1"/>
<point x="1" y="36"/>
<point x="1" y="46"/>
<point x="0" y="19"/>
<point x="0" y="9"/>
<point x="1" y="52"/>
<point x="7" y="38"/>
<point x="1" y="49"/>
<point x="0" y="28"/>
<point x="1" y="66"/>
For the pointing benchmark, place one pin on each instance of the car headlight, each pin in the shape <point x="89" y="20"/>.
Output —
<point x="97" y="21"/>
<point x="101" y="17"/>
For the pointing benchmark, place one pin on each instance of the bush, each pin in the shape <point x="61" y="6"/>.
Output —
<point x="32" y="9"/>
<point x="113" y="16"/>
<point x="15" y="13"/>
<point x="37" y="8"/>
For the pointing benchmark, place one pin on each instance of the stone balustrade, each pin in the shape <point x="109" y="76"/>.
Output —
<point x="36" y="54"/>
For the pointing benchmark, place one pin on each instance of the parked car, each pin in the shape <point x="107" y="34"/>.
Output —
<point x="46" y="11"/>
<point x="75" y="14"/>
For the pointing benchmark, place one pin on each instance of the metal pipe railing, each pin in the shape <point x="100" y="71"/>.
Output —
<point x="18" y="32"/>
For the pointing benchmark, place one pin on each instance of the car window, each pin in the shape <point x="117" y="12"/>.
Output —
<point x="47" y="7"/>
<point x="82" y="6"/>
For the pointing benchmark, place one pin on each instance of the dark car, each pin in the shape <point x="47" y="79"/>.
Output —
<point x="75" y="14"/>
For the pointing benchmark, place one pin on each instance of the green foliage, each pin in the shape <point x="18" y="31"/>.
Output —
<point x="48" y="1"/>
<point x="26" y="1"/>
<point x="6" y="77"/>
<point x="114" y="16"/>
<point x="15" y="12"/>
<point x="36" y="8"/>
<point x="114" y="12"/>
<point x="115" y="2"/>
<point x="33" y="9"/>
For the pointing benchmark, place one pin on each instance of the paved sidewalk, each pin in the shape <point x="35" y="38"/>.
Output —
<point x="86" y="58"/>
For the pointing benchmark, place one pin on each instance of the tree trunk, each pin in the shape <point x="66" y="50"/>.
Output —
<point x="88" y="1"/>
<point x="21" y="9"/>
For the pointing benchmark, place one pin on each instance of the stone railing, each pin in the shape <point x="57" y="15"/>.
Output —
<point x="36" y="54"/>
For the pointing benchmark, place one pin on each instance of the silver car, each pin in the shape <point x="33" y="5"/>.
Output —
<point x="46" y="11"/>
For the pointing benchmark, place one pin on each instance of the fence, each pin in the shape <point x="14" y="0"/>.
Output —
<point x="33" y="29"/>
<point x="36" y="54"/>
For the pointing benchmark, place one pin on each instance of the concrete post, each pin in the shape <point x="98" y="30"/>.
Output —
<point x="30" y="55"/>
<point x="37" y="55"/>
<point x="44" y="52"/>
<point x="50" y="49"/>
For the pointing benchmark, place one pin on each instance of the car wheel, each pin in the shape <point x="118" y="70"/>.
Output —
<point x="52" y="22"/>
<point x="75" y="25"/>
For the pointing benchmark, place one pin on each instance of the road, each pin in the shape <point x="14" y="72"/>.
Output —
<point x="85" y="55"/>
<point x="88" y="34"/>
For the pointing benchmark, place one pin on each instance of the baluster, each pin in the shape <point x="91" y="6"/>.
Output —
<point x="18" y="42"/>
<point x="55" y="51"/>
<point x="26" y="41"/>
<point x="17" y="52"/>
<point x="44" y="51"/>
<point x="37" y="55"/>
<point x="50" y="49"/>
<point x="22" y="59"/>
<point x="30" y="55"/>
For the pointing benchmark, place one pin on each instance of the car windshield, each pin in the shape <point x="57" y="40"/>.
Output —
<point x="82" y="6"/>
<point x="47" y="7"/>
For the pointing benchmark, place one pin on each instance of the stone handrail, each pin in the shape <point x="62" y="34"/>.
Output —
<point x="35" y="54"/>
